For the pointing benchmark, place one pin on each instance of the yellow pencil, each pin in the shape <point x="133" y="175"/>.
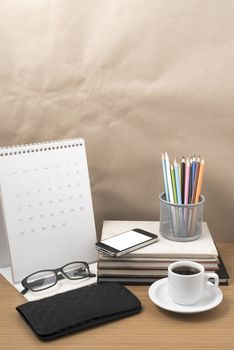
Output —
<point x="199" y="183"/>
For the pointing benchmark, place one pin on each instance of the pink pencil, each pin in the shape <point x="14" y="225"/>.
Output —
<point x="186" y="184"/>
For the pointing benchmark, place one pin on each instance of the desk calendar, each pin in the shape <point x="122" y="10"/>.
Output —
<point x="46" y="206"/>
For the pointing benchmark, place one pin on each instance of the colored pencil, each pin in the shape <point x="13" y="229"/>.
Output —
<point x="192" y="177"/>
<point x="165" y="177"/>
<point x="193" y="169"/>
<point x="182" y="179"/>
<point x="186" y="184"/>
<point x="179" y="167"/>
<point x="177" y="181"/>
<point x="199" y="183"/>
<point x="173" y="184"/>
<point x="190" y="181"/>
<point x="195" y="180"/>
<point x="170" y="191"/>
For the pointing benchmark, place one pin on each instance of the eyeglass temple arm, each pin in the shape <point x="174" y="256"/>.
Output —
<point x="24" y="291"/>
<point x="90" y="273"/>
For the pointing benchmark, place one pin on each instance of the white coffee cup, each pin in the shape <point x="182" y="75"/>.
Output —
<point x="187" y="281"/>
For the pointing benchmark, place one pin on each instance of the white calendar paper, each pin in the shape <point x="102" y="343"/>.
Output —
<point x="47" y="207"/>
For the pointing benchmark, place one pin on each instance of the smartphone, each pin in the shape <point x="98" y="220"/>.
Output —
<point x="126" y="242"/>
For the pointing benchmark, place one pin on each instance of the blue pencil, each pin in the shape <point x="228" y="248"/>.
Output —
<point x="177" y="180"/>
<point x="193" y="169"/>
<point x="165" y="178"/>
<point x="192" y="177"/>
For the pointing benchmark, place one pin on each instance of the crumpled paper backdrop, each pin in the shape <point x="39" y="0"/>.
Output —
<point x="133" y="78"/>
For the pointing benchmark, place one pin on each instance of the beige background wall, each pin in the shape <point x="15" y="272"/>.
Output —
<point x="134" y="79"/>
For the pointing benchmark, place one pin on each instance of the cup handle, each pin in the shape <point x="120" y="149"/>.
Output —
<point x="215" y="277"/>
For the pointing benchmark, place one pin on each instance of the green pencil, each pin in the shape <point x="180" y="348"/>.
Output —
<point x="173" y="184"/>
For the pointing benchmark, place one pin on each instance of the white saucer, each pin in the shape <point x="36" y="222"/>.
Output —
<point x="158" y="293"/>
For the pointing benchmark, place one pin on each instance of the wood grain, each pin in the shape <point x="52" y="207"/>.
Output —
<point x="153" y="328"/>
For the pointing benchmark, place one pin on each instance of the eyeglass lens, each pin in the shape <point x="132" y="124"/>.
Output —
<point x="41" y="280"/>
<point x="76" y="270"/>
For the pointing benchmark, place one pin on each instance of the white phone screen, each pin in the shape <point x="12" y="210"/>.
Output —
<point x="126" y="240"/>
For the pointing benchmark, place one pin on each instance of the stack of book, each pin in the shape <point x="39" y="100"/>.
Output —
<point x="146" y="265"/>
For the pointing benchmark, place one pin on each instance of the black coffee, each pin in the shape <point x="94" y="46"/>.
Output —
<point x="186" y="270"/>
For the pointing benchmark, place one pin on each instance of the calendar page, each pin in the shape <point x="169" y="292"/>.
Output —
<point x="47" y="206"/>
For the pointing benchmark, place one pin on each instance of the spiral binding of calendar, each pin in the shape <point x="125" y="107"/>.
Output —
<point x="40" y="147"/>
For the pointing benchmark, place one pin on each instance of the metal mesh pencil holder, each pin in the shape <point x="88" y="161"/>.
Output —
<point x="181" y="222"/>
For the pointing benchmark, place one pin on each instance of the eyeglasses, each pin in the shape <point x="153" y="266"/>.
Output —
<point x="45" y="279"/>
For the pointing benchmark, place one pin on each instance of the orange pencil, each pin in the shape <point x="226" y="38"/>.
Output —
<point x="199" y="183"/>
<point x="195" y="182"/>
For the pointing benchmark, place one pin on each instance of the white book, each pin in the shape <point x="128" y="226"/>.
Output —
<point x="132" y="273"/>
<point x="203" y="247"/>
<point x="128" y="259"/>
<point x="139" y="273"/>
<point x="144" y="265"/>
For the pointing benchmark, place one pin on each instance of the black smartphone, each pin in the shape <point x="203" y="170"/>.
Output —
<point x="126" y="242"/>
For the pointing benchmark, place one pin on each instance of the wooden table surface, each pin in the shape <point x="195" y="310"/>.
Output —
<point x="153" y="328"/>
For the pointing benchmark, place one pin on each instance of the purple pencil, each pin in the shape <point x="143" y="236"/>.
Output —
<point x="182" y="178"/>
<point x="186" y="183"/>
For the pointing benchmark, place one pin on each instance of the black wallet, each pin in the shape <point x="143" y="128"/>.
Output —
<point x="78" y="309"/>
